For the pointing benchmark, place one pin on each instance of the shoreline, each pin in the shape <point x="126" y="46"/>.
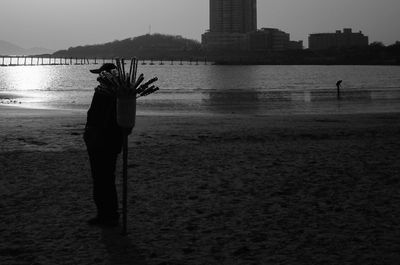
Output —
<point x="48" y="130"/>
<point x="6" y="109"/>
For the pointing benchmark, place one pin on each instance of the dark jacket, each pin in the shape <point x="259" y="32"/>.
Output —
<point x="102" y="131"/>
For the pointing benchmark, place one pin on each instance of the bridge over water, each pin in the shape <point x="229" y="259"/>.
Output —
<point x="49" y="60"/>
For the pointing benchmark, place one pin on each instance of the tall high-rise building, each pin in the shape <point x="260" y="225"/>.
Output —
<point x="233" y="26"/>
<point x="233" y="16"/>
<point x="230" y="20"/>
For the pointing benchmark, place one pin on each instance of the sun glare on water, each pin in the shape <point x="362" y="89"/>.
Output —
<point x="29" y="78"/>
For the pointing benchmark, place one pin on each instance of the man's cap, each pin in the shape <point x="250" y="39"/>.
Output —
<point x="105" y="67"/>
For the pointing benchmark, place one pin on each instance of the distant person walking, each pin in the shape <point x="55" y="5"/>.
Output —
<point x="103" y="139"/>
<point x="338" y="87"/>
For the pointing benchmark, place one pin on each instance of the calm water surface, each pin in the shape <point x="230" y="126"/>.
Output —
<point x="209" y="89"/>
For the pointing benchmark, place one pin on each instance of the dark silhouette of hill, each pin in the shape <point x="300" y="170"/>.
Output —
<point x="156" y="46"/>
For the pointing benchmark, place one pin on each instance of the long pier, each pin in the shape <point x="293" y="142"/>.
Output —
<point x="49" y="60"/>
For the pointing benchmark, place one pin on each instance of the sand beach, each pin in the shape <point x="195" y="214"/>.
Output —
<point x="227" y="189"/>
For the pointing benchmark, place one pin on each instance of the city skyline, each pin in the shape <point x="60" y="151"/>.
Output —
<point x="61" y="24"/>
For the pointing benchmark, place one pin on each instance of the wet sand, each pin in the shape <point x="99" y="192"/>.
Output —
<point x="316" y="189"/>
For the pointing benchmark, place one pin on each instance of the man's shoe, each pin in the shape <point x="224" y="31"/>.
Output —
<point x="99" y="221"/>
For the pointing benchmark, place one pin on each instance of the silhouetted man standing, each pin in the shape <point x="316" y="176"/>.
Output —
<point x="338" y="86"/>
<point x="103" y="138"/>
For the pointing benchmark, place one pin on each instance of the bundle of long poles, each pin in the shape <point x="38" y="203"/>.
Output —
<point x="126" y="84"/>
<point x="128" y="79"/>
<point x="125" y="182"/>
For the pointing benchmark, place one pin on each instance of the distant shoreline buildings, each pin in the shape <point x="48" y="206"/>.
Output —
<point x="271" y="39"/>
<point x="230" y="21"/>
<point x="233" y="16"/>
<point x="339" y="39"/>
<point x="233" y="26"/>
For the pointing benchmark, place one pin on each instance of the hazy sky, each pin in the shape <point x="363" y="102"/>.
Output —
<point x="59" y="24"/>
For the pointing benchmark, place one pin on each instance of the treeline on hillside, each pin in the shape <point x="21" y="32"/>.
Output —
<point x="168" y="47"/>
<point x="374" y="54"/>
<point x="154" y="46"/>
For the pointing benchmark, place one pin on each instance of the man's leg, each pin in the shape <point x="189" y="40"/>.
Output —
<point x="103" y="164"/>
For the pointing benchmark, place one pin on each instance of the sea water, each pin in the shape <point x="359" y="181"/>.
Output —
<point x="211" y="89"/>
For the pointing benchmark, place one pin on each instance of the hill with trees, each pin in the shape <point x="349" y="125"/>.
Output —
<point x="154" y="46"/>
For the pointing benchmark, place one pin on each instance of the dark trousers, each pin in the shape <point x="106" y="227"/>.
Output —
<point x="103" y="164"/>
